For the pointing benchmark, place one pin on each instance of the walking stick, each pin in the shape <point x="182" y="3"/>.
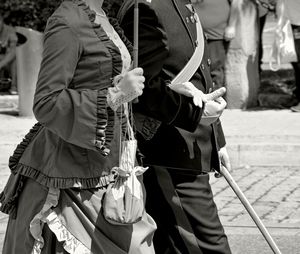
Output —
<point x="250" y="209"/>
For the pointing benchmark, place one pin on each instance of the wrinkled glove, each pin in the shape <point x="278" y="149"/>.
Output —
<point x="126" y="88"/>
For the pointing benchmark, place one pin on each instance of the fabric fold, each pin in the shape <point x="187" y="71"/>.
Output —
<point x="71" y="244"/>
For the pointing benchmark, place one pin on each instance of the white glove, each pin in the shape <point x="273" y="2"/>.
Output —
<point x="189" y="90"/>
<point x="212" y="111"/>
<point x="127" y="88"/>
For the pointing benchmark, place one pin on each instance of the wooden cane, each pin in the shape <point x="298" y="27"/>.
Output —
<point x="250" y="209"/>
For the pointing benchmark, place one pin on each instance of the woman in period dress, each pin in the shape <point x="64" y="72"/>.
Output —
<point x="61" y="169"/>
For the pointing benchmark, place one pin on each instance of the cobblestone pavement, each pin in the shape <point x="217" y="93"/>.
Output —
<point x="273" y="192"/>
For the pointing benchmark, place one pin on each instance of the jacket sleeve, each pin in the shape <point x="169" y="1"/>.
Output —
<point x="158" y="100"/>
<point x="72" y="115"/>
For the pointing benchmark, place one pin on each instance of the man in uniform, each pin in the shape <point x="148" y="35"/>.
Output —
<point x="179" y="145"/>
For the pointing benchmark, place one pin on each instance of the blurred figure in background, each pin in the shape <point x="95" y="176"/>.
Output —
<point x="218" y="18"/>
<point x="241" y="67"/>
<point x="8" y="43"/>
<point x="264" y="7"/>
<point x="293" y="11"/>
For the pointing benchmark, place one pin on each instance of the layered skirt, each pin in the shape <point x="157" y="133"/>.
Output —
<point x="56" y="221"/>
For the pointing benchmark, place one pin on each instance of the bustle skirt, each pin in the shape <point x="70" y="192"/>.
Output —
<point x="50" y="220"/>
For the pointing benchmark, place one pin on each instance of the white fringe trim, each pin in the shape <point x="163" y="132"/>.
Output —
<point x="71" y="244"/>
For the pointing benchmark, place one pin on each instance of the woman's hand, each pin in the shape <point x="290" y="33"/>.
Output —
<point x="132" y="83"/>
<point x="127" y="87"/>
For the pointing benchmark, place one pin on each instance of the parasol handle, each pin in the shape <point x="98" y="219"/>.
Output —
<point x="136" y="38"/>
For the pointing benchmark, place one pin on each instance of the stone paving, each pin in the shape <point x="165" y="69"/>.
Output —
<point x="273" y="192"/>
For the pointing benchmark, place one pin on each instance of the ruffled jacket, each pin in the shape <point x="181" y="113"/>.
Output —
<point x="75" y="143"/>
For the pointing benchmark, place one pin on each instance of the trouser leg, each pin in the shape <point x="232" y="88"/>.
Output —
<point x="262" y="21"/>
<point x="296" y="65"/>
<point x="182" y="206"/>
<point x="217" y="52"/>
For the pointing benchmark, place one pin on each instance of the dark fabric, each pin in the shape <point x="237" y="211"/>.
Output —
<point x="78" y="129"/>
<point x="181" y="203"/>
<point x="17" y="237"/>
<point x="179" y="196"/>
<point x="217" y="52"/>
<point x="296" y="65"/>
<point x="162" y="54"/>
<point x="262" y="21"/>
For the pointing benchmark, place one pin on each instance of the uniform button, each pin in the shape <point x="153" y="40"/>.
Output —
<point x="202" y="66"/>
<point x="187" y="20"/>
<point x="208" y="61"/>
<point x="192" y="19"/>
<point x="213" y="83"/>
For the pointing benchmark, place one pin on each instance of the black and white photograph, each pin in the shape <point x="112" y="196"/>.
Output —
<point x="150" y="127"/>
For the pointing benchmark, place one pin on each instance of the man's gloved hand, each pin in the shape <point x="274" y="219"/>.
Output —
<point x="224" y="161"/>
<point x="214" y="103"/>
<point x="214" y="106"/>
<point x="189" y="90"/>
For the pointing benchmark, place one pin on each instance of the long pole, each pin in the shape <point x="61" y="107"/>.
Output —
<point x="136" y="38"/>
<point x="250" y="209"/>
<point x="136" y="34"/>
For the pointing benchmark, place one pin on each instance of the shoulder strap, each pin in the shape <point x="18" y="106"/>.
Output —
<point x="193" y="64"/>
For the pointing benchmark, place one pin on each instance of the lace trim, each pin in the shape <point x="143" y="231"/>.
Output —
<point x="71" y="244"/>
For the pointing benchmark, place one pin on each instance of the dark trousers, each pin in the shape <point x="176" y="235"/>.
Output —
<point x="261" y="24"/>
<point x="296" y="65"/>
<point x="217" y="52"/>
<point x="181" y="203"/>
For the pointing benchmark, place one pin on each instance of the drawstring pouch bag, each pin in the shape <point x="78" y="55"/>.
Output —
<point x="283" y="49"/>
<point x="123" y="202"/>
